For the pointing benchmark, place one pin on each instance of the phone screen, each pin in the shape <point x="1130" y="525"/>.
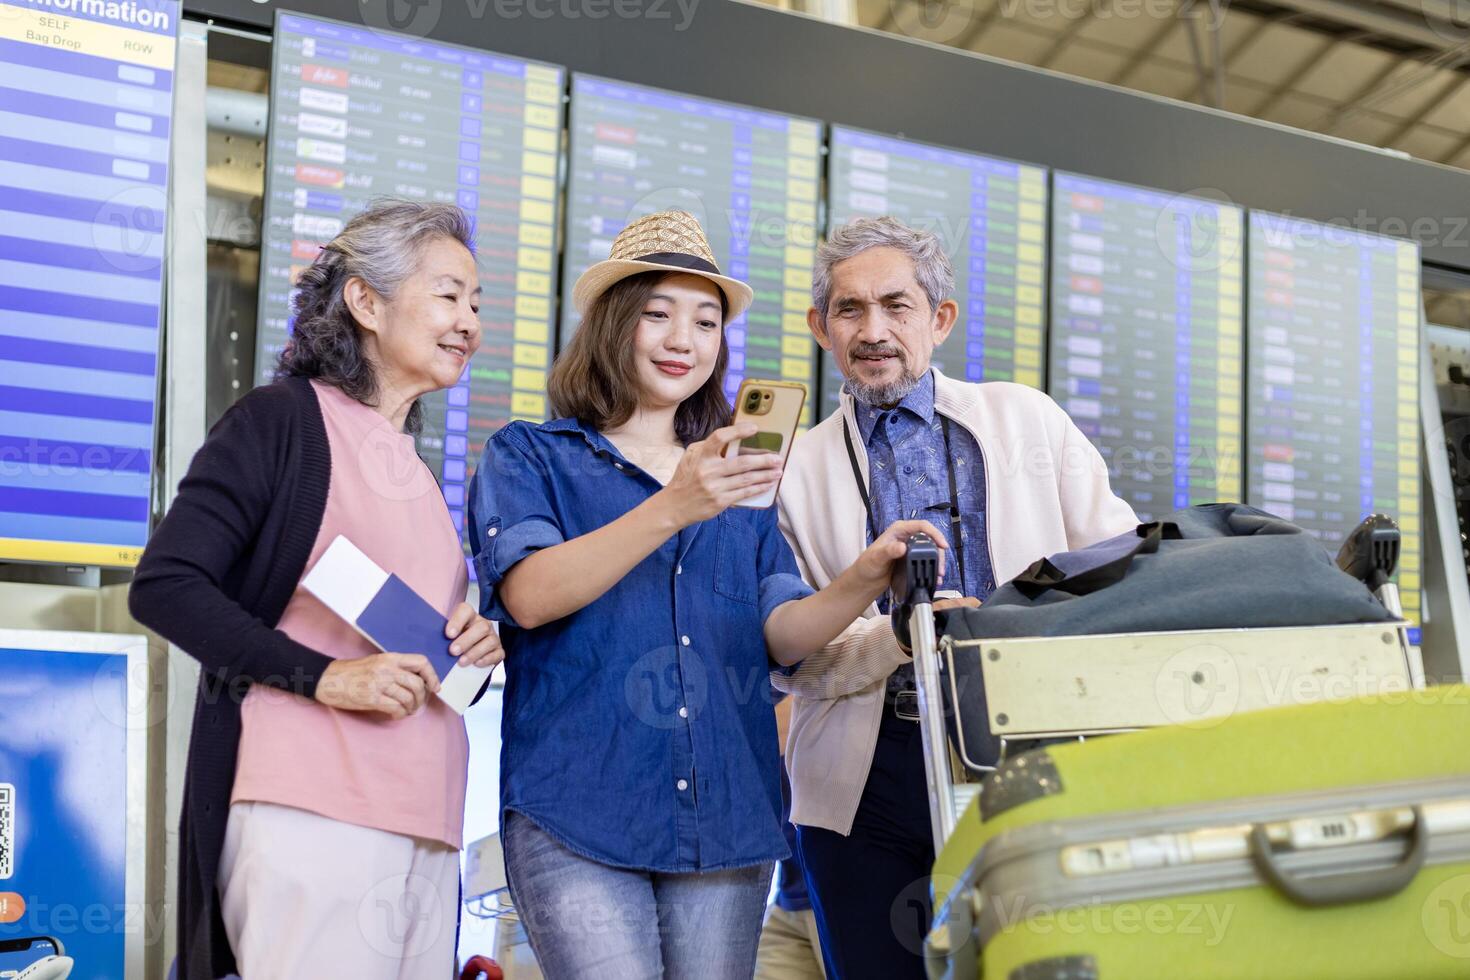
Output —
<point x="763" y="442"/>
<point x="17" y="954"/>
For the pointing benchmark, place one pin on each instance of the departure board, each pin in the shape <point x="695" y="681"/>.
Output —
<point x="990" y="215"/>
<point x="1146" y="337"/>
<point x="749" y="176"/>
<point x="360" y="114"/>
<point x="86" y="94"/>
<point x="1333" y="382"/>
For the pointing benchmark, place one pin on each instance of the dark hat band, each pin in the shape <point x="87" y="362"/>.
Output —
<point x="681" y="260"/>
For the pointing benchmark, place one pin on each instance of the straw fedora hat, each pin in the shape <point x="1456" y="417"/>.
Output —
<point x="668" y="241"/>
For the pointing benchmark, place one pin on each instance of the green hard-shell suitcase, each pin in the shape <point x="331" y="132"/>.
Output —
<point x="1328" y="840"/>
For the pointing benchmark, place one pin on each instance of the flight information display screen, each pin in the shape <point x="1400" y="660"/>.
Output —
<point x="748" y="175"/>
<point x="86" y="96"/>
<point x="359" y="114"/>
<point x="1146" y="316"/>
<point x="1332" y="388"/>
<point x="990" y="214"/>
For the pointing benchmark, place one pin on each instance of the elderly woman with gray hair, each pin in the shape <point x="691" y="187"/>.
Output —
<point x="324" y="797"/>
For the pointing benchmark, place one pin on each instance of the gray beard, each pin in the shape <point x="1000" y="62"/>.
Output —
<point x="883" y="396"/>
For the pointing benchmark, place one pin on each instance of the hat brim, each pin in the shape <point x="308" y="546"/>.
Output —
<point x="600" y="277"/>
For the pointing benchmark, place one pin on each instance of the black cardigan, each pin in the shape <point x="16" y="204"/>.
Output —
<point x="215" y="578"/>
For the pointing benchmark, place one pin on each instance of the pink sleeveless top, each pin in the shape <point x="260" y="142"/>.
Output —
<point x="405" y="777"/>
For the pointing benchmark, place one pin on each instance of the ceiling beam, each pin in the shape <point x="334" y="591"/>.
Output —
<point x="1144" y="52"/>
<point x="1423" y="71"/>
<point x="1351" y="106"/>
<point x="1311" y="64"/>
<point x="1375" y="19"/>
<point x="1139" y="57"/>
<point x="1201" y="73"/>
<point x="977" y="30"/>
<point x="1457" y="152"/>
<point x="1063" y="39"/>
<point x="1451" y="87"/>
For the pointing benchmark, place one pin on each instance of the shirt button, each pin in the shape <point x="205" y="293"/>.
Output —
<point x="684" y="640"/>
<point x="683" y="784"/>
<point x="493" y="531"/>
<point x="683" y="712"/>
<point x="618" y="466"/>
<point x="678" y="569"/>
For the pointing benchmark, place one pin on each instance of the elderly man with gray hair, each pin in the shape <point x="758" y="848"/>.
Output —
<point x="1002" y="468"/>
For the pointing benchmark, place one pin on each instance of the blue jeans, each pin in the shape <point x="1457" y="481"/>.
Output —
<point x="588" y="919"/>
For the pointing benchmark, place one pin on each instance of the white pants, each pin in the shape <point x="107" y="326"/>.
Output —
<point x="306" y="896"/>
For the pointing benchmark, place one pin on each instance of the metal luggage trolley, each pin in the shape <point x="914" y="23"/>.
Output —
<point x="1082" y="686"/>
<point x="486" y="896"/>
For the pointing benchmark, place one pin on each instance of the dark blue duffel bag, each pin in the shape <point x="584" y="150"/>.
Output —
<point x="1215" y="566"/>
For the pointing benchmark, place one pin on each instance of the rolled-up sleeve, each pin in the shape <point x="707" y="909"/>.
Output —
<point x="780" y="579"/>
<point x="512" y="514"/>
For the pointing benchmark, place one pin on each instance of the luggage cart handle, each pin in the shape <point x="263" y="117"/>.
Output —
<point x="1339" y="889"/>
<point x="917" y="579"/>
<point x="919" y="572"/>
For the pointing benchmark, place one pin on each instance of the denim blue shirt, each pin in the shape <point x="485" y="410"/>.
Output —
<point x="908" y="479"/>
<point x="638" y="731"/>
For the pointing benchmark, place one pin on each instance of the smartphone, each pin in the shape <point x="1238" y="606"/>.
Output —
<point x="33" y="958"/>
<point x="775" y="407"/>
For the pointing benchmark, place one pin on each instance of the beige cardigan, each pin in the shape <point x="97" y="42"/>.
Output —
<point x="1046" y="491"/>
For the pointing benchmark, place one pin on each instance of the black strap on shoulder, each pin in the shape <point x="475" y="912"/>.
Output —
<point x="857" y="475"/>
<point x="956" y="538"/>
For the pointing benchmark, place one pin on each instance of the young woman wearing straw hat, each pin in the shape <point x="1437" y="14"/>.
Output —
<point x="641" y="614"/>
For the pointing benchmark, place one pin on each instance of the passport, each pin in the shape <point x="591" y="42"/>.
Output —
<point x="392" y="616"/>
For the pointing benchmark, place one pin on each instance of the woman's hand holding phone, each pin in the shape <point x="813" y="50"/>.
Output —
<point x="706" y="482"/>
